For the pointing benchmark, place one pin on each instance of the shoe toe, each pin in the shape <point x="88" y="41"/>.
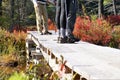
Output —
<point x="69" y="40"/>
<point x="62" y="40"/>
<point x="47" y="33"/>
<point x="76" y="39"/>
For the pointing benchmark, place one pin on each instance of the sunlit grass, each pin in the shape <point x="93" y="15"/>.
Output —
<point x="12" y="53"/>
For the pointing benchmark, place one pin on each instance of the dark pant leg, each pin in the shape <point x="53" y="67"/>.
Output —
<point x="63" y="15"/>
<point x="71" y="16"/>
<point x="58" y="12"/>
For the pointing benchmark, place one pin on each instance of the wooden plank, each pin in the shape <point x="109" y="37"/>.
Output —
<point x="89" y="60"/>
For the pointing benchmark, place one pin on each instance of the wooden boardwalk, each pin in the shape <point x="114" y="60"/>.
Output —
<point x="89" y="61"/>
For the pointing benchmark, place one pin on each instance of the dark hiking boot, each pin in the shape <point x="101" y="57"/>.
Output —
<point x="70" y="40"/>
<point x="47" y="33"/>
<point x="62" y="40"/>
<point x="76" y="39"/>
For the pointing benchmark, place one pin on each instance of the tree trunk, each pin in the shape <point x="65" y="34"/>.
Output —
<point x="18" y="11"/>
<point x="114" y="7"/>
<point x="100" y="8"/>
<point x="12" y="15"/>
<point x="23" y="10"/>
<point x="0" y="7"/>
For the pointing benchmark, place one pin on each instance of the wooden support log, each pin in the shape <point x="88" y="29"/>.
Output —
<point x="76" y="76"/>
<point x="48" y="52"/>
<point x="52" y="56"/>
<point x="68" y="70"/>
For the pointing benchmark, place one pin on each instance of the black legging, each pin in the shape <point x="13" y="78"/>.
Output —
<point x="60" y="14"/>
<point x="58" y="11"/>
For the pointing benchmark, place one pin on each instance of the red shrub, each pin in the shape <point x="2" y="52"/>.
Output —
<point x="114" y="19"/>
<point x="98" y="32"/>
<point x="81" y="26"/>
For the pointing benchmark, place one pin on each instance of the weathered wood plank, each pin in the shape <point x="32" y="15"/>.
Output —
<point x="89" y="60"/>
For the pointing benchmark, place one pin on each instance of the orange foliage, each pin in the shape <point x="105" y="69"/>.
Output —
<point x="19" y="35"/>
<point x="97" y="32"/>
<point x="17" y="28"/>
<point x="51" y="25"/>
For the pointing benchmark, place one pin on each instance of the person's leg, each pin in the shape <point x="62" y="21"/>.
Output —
<point x="71" y="8"/>
<point x="44" y="19"/>
<point x="38" y="19"/>
<point x="63" y="38"/>
<point x="71" y="17"/>
<point x="57" y="17"/>
<point x="63" y="19"/>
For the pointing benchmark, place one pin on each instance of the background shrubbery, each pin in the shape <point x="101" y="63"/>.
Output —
<point x="100" y="31"/>
<point x="12" y="53"/>
<point x="11" y="42"/>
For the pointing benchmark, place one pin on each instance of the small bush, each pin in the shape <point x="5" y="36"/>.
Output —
<point x="98" y="32"/>
<point x="115" y="41"/>
<point x="6" y="42"/>
<point x="11" y="42"/>
<point x="114" y="19"/>
<point x="12" y="48"/>
<point x="19" y="40"/>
